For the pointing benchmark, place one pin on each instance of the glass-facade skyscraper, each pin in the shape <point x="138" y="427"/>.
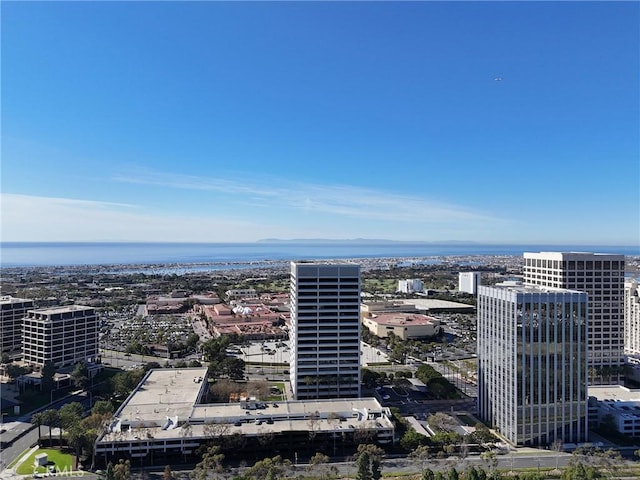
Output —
<point x="532" y="363"/>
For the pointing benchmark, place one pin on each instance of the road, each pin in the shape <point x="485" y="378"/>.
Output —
<point x="525" y="459"/>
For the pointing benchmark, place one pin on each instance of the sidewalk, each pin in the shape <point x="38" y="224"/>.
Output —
<point x="10" y="473"/>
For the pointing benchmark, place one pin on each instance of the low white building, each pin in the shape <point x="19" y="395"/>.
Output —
<point x="241" y="293"/>
<point x="618" y="404"/>
<point x="164" y="416"/>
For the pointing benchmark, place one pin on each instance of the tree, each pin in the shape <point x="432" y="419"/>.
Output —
<point x="369" y="462"/>
<point x="80" y="375"/>
<point x="314" y="419"/>
<point x="421" y="453"/>
<point x="471" y="473"/>
<point x="13" y="371"/>
<point x="109" y="475"/>
<point x="232" y="367"/>
<point x="76" y="439"/>
<point x="51" y="419"/>
<point x="167" y="474"/>
<point x="275" y="465"/>
<point x="376" y="468"/>
<point x="38" y="419"/>
<point x="69" y="415"/>
<point x="151" y="366"/>
<point x="491" y="459"/>
<point x="481" y="435"/>
<point x="363" y="469"/>
<point x="92" y="426"/>
<point x="441" y="421"/>
<point x="211" y="463"/>
<point x="123" y="383"/>
<point x="579" y="471"/>
<point x="557" y="446"/>
<point x="317" y="465"/>
<point x="215" y="350"/>
<point x="192" y="341"/>
<point x="411" y="439"/>
<point x="47" y="380"/>
<point x="371" y="378"/>
<point x="122" y="470"/>
<point x="103" y="407"/>
<point x="427" y="474"/>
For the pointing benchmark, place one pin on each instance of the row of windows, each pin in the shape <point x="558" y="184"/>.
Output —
<point x="574" y="264"/>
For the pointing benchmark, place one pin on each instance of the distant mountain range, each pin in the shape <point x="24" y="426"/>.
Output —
<point x="363" y="241"/>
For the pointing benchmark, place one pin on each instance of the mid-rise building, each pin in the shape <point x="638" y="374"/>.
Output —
<point x="325" y="330"/>
<point x="632" y="318"/>
<point x="602" y="277"/>
<point x="12" y="311"/>
<point x="532" y="363"/>
<point x="61" y="335"/>
<point x="468" y="282"/>
<point x="410" y="285"/>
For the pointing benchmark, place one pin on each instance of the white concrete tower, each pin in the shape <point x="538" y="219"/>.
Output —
<point x="61" y="335"/>
<point x="602" y="277"/>
<point x="12" y="311"/>
<point x="325" y="330"/>
<point x="632" y="319"/>
<point x="469" y="282"/>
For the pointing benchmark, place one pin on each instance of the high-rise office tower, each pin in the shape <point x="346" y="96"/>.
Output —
<point x="410" y="285"/>
<point x="325" y="330"/>
<point x="632" y="319"/>
<point x="12" y="311"/>
<point x="62" y="335"/>
<point x="602" y="277"/>
<point x="532" y="363"/>
<point x="468" y="282"/>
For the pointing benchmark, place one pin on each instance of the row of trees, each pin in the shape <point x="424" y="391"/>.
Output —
<point x="80" y="432"/>
<point x="476" y="473"/>
<point x="79" y="375"/>
<point x="436" y="383"/>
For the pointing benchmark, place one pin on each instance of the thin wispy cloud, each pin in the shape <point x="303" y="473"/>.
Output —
<point x="342" y="200"/>
<point x="34" y="218"/>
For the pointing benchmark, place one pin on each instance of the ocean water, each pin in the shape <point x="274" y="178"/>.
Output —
<point x="21" y="254"/>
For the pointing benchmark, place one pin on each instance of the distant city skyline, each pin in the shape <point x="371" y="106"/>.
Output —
<point x="494" y="122"/>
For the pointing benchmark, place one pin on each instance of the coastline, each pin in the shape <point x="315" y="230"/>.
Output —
<point x="196" y="257"/>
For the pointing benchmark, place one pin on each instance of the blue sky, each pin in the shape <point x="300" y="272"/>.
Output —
<point x="502" y="122"/>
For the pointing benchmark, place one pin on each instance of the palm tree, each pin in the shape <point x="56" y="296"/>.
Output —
<point x="38" y="419"/>
<point x="50" y="418"/>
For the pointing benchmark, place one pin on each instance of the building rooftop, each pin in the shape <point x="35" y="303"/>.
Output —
<point x="62" y="309"/>
<point x="163" y="393"/>
<point x="6" y="299"/>
<point x="572" y="255"/>
<point x="403" y="319"/>
<point x="518" y="287"/>
<point x="166" y="404"/>
<point x="434" y="304"/>
<point x="614" y="393"/>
